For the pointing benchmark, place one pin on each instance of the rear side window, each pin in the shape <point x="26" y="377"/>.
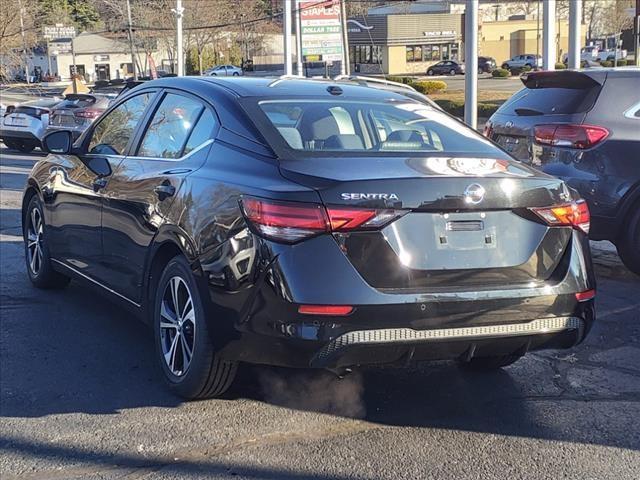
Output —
<point x="201" y="132"/>
<point x="170" y="126"/>
<point x="550" y="101"/>
<point x="353" y="126"/>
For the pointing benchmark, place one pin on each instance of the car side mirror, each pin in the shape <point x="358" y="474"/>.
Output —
<point x="98" y="165"/>
<point x="58" y="142"/>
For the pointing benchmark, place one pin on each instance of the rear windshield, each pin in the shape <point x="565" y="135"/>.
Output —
<point x="77" y="102"/>
<point x="358" y="126"/>
<point x="550" y="101"/>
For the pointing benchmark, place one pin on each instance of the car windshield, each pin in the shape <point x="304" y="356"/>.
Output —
<point x="357" y="126"/>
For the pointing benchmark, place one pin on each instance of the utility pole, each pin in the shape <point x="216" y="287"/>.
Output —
<point x="179" y="11"/>
<point x="471" y="63"/>
<point x="288" y="67"/>
<point x="133" y="53"/>
<point x="24" y="42"/>
<point x="575" y="15"/>
<point x="549" y="35"/>
<point x="75" y="68"/>
<point x="346" y="66"/>
<point x="298" y="40"/>
<point x="637" y="33"/>
<point x="538" y="34"/>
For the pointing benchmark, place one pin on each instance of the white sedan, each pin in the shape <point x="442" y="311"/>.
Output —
<point x="224" y="71"/>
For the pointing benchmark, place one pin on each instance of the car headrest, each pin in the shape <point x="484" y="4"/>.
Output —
<point x="292" y="137"/>
<point x="343" y="142"/>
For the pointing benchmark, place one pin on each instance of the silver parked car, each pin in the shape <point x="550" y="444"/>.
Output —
<point x="224" y="71"/>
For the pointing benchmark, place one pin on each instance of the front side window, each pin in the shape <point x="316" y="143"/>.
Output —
<point x="114" y="131"/>
<point x="170" y="126"/>
<point x="359" y="126"/>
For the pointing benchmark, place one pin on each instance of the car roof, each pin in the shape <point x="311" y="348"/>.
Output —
<point x="293" y="86"/>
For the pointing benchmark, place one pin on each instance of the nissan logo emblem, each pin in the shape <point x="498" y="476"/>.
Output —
<point x="474" y="194"/>
<point x="509" y="124"/>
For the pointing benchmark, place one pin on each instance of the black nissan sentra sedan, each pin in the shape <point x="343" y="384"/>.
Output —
<point x="306" y="223"/>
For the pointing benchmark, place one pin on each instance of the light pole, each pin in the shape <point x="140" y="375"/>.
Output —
<point x="288" y="66"/>
<point x="179" y="11"/>
<point x="549" y="35"/>
<point x="24" y="43"/>
<point x="299" y="65"/>
<point x="471" y="63"/>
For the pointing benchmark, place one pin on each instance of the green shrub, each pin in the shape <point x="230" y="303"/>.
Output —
<point x="456" y="108"/>
<point x="606" y="63"/>
<point x="526" y="68"/>
<point x="560" y="66"/>
<point x="500" y="73"/>
<point x="622" y="62"/>
<point x="398" y="79"/>
<point x="428" y="87"/>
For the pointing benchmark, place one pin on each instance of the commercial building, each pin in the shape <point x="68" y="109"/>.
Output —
<point x="385" y="41"/>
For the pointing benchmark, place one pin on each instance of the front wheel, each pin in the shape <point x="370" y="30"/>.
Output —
<point x="486" y="364"/>
<point x="191" y="367"/>
<point x="452" y="72"/>
<point x="430" y="73"/>
<point x="236" y="74"/>
<point x="629" y="243"/>
<point x="36" y="249"/>
<point x="480" y="71"/>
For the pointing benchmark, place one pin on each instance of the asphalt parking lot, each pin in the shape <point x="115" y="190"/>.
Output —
<point x="81" y="399"/>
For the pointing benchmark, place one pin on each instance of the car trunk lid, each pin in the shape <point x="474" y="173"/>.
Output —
<point x="464" y="221"/>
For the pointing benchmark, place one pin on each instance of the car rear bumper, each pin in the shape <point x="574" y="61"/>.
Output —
<point x="262" y="323"/>
<point x="10" y="134"/>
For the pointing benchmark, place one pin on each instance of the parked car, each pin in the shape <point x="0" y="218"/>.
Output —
<point x="224" y="71"/>
<point x="24" y="127"/>
<point x="446" y="67"/>
<point x="577" y="126"/>
<point x="593" y="54"/>
<point x="526" y="60"/>
<point x="77" y="111"/>
<point x="308" y="224"/>
<point x="486" y="64"/>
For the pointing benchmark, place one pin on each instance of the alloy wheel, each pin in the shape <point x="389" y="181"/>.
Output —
<point x="177" y="326"/>
<point x="34" y="241"/>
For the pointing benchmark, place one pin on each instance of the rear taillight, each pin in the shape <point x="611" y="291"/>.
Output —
<point x="571" y="136"/>
<point x="488" y="130"/>
<point x="294" y="221"/>
<point x="87" y="113"/>
<point x="575" y="214"/>
<point x="584" y="296"/>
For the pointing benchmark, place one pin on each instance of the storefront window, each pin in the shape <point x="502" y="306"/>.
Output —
<point x="366" y="53"/>
<point x="431" y="53"/>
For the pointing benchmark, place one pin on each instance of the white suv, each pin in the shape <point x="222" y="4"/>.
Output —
<point x="526" y="60"/>
<point x="23" y="127"/>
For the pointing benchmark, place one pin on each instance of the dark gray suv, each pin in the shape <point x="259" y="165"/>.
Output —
<point x="583" y="127"/>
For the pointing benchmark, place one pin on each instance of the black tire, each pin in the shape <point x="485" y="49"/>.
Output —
<point x="505" y="66"/>
<point x="486" y="364"/>
<point x="480" y="71"/>
<point x="36" y="249"/>
<point x="430" y="73"/>
<point x="529" y="65"/>
<point x="204" y="374"/>
<point x="452" y="72"/>
<point x="236" y="74"/>
<point x="11" y="144"/>
<point x="26" y="146"/>
<point x="628" y="244"/>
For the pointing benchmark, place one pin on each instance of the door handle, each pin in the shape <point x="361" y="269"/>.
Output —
<point x="99" y="183"/>
<point x="164" y="191"/>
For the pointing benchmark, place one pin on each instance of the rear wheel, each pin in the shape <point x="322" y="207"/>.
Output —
<point x="480" y="71"/>
<point x="629" y="243"/>
<point x="36" y="249"/>
<point x="190" y="365"/>
<point x="484" y="364"/>
<point x="452" y="72"/>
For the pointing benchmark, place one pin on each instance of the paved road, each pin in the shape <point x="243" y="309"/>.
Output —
<point x="81" y="399"/>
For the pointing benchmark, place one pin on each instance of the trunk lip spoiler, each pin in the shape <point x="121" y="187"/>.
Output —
<point x="560" y="79"/>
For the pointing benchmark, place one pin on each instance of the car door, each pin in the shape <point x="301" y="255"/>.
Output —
<point x="174" y="142"/>
<point x="73" y="193"/>
<point x="440" y="67"/>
